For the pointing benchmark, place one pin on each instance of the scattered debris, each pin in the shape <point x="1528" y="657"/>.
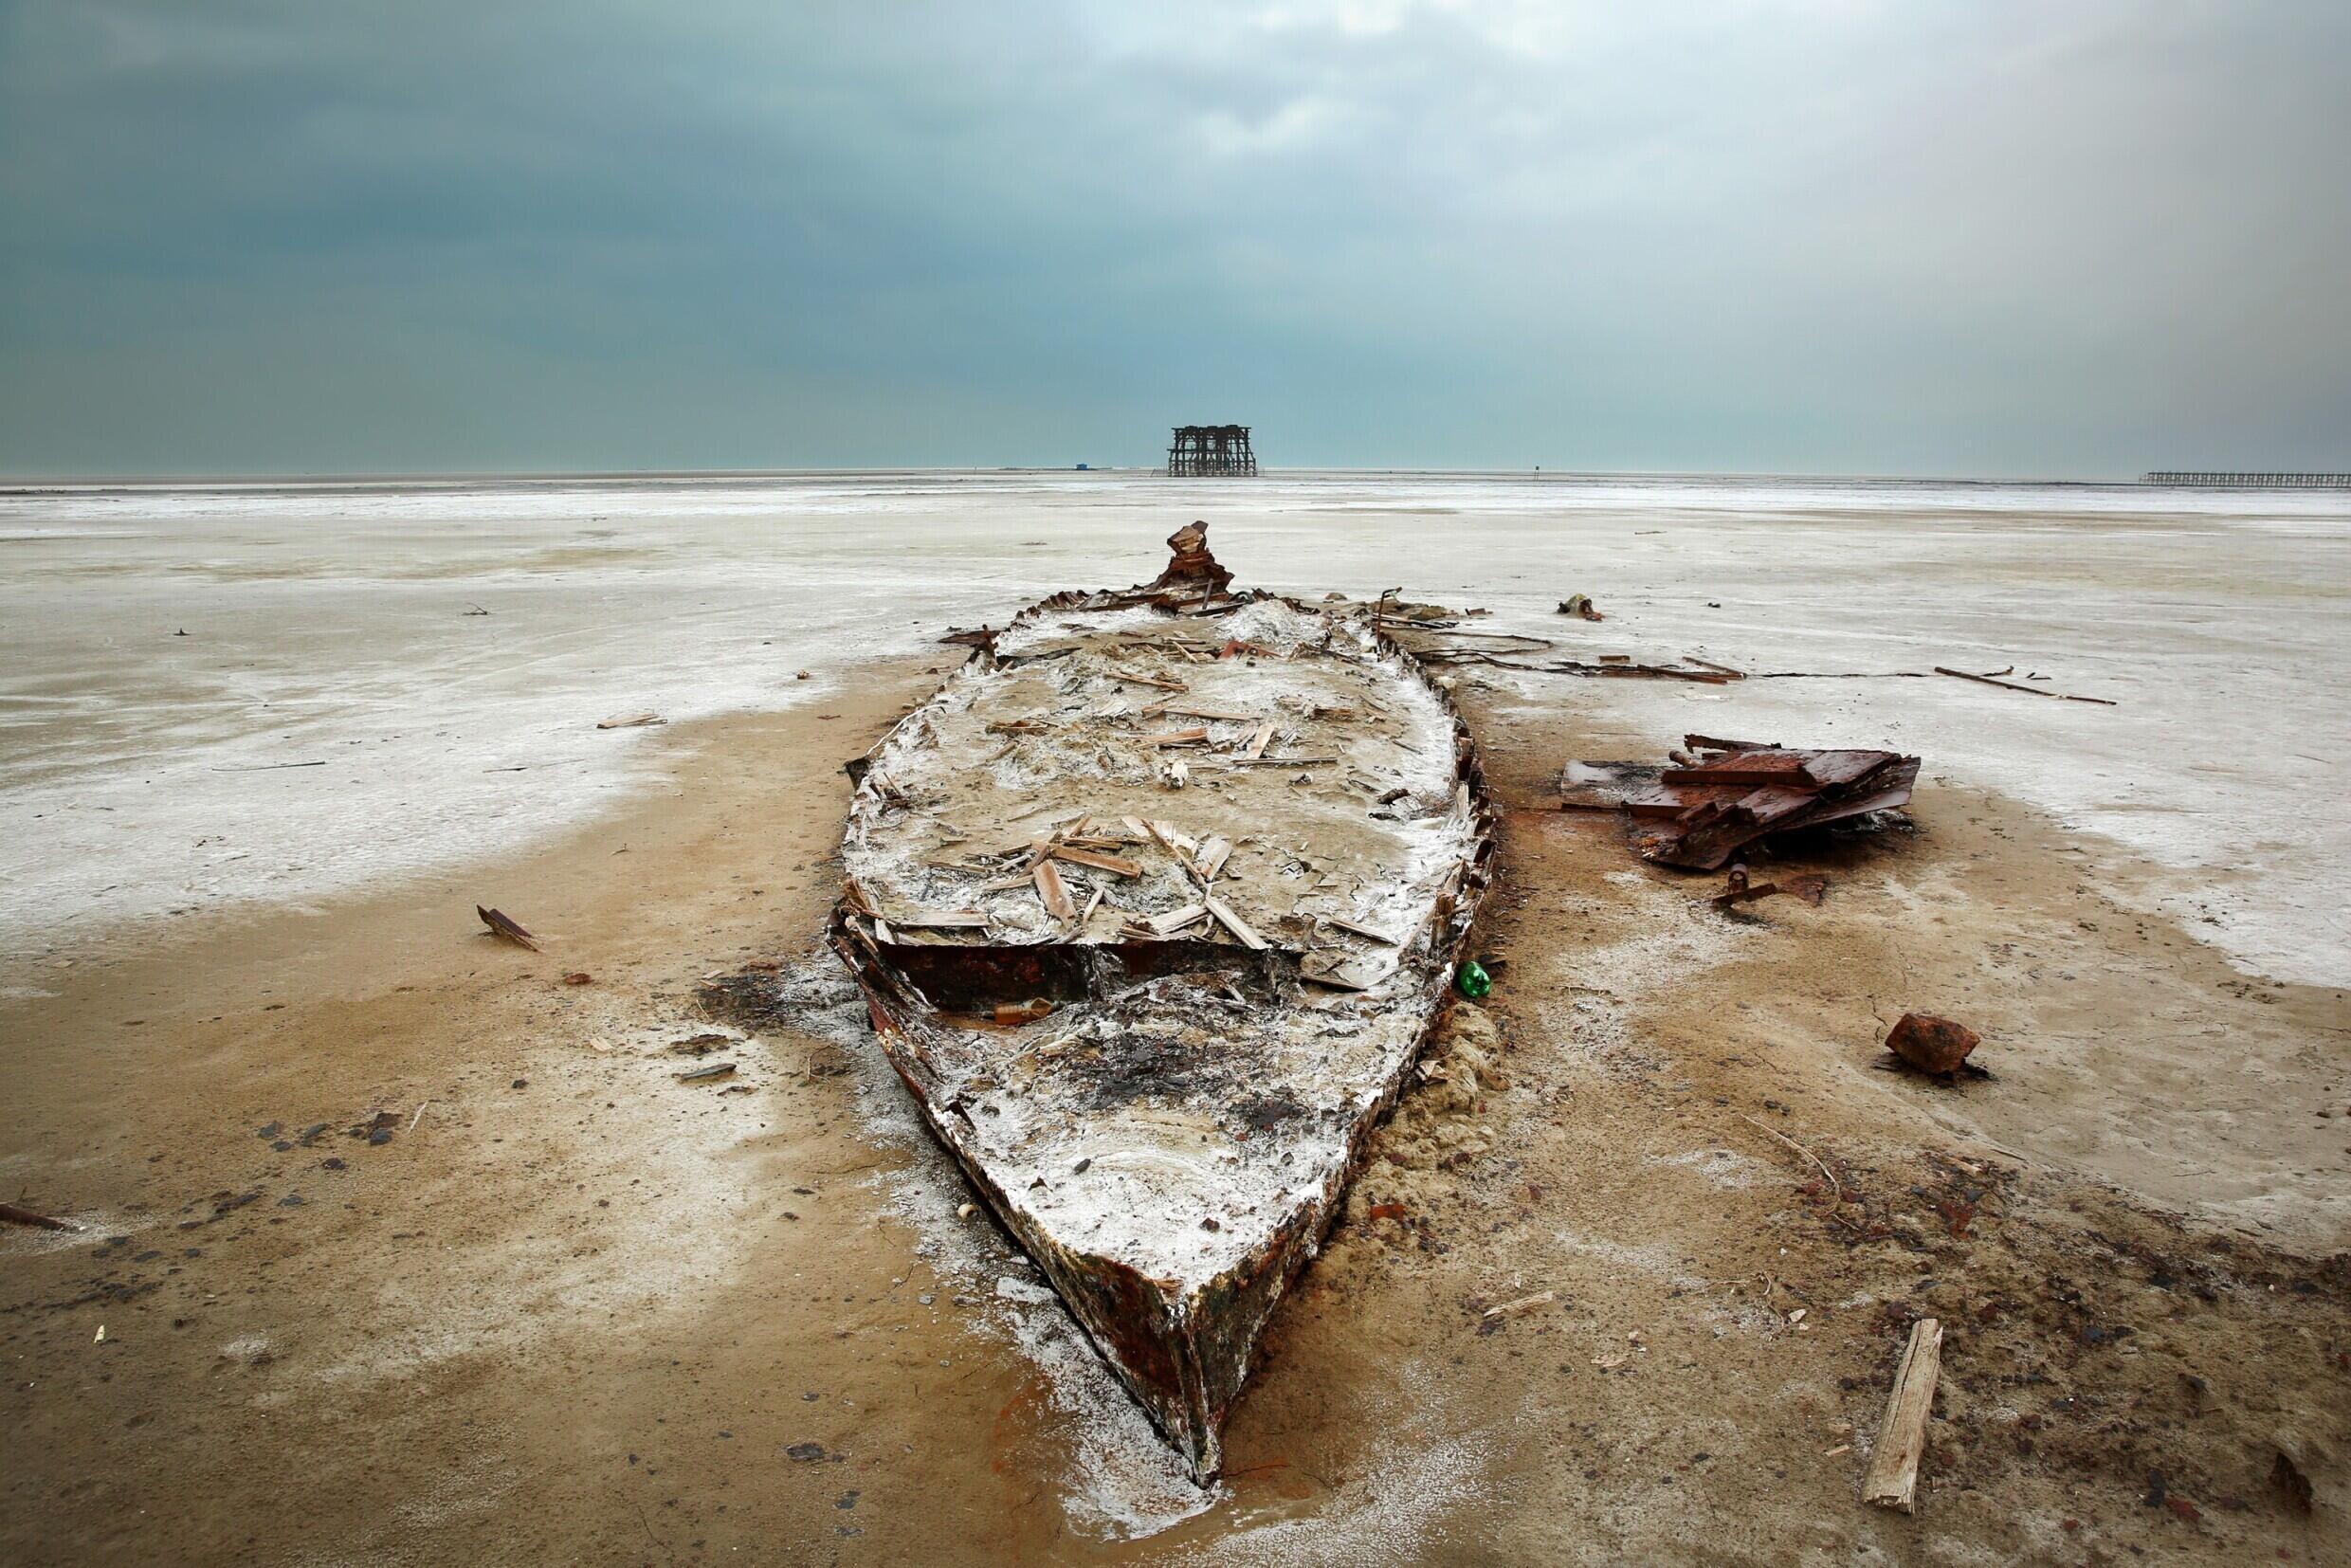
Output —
<point x="14" y="1215"/>
<point x="1522" y="1306"/>
<point x="1810" y="886"/>
<point x="504" y="927"/>
<point x="1729" y="794"/>
<point x="579" y="976"/>
<point x="977" y="636"/>
<point x="1580" y="605"/>
<point x="2030" y="692"/>
<point x="709" y="1073"/>
<point x="1932" y="1044"/>
<point x="1892" y="1481"/>
<point x="634" y="721"/>
<point x="701" y="1044"/>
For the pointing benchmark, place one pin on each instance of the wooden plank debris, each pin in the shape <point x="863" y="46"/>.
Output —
<point x="1892" y="1481"/>
<point x="1193" y="710"/>
<point x="1257" y="743"/>
<point x="1192" y="737"/>
<point x="1214" y="851"/>
<point x="1053" y="891"/>
<point x="1118" y="866"/>
<point x="1725" y="796"/>
<point x="1235" y="924"/>
<point x="14" y="1215"/>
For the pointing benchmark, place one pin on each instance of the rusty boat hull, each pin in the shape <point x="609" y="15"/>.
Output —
<point x="1153" y="906"/>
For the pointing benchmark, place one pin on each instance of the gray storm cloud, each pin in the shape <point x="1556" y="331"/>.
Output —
<point x="1968" y="238"/>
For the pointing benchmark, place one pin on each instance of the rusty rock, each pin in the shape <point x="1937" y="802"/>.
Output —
<point x="1931" y="1044"/>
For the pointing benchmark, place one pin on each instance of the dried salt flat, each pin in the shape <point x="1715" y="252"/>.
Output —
<point x="1156" y="1024"/>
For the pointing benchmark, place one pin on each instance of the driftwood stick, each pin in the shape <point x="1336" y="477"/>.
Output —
<point x="1892" y="1481"/>
<point x="1836" y="1191"/>
<point x="2012" y="685"/>
<point x="14" y="1215"/>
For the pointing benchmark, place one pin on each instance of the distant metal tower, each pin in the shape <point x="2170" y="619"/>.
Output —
<point x="1198" y="450"/>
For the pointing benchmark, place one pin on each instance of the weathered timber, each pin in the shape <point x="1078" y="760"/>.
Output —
<point x="1164" y="1105"/>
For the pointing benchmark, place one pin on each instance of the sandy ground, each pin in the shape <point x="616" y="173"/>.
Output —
<point x="565" y="1307"/>
<point x="572" y="1309"/>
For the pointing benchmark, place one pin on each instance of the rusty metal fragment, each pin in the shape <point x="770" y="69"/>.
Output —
<point x="1931" y="1044"/>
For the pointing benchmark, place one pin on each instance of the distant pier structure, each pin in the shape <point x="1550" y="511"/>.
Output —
<point x="2215" y="481"/>
<point x="1209" y="449"/>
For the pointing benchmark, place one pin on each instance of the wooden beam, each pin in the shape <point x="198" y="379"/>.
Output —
<point x="1893" y="1478"/>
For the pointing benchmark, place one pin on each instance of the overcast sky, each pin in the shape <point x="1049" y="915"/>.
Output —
<point x="2040" y="238"/>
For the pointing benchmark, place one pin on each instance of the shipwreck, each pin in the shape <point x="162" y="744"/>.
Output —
<point x="1153" y="906"/>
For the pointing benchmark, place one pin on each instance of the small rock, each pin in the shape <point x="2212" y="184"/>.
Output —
<point x="805" y="1453"/>
<point x="1931" y="1044"/>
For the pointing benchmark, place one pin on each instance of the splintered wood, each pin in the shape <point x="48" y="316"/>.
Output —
<point x="1051" y="889"/>
<point x="1732" y="792"/>
<point x="1893" y="1478"/>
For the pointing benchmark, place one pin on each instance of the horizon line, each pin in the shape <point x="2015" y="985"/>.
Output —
<point x="31" y="484"/>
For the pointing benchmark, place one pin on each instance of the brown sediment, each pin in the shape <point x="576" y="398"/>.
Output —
<point x="456" y="1351"/>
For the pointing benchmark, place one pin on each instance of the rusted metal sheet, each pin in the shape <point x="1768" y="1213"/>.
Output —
<point x="1162" y="1078"/>
<point x="1722" y="794"/>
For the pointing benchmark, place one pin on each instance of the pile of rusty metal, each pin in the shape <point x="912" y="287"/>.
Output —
<point x="1721" y="795"/>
